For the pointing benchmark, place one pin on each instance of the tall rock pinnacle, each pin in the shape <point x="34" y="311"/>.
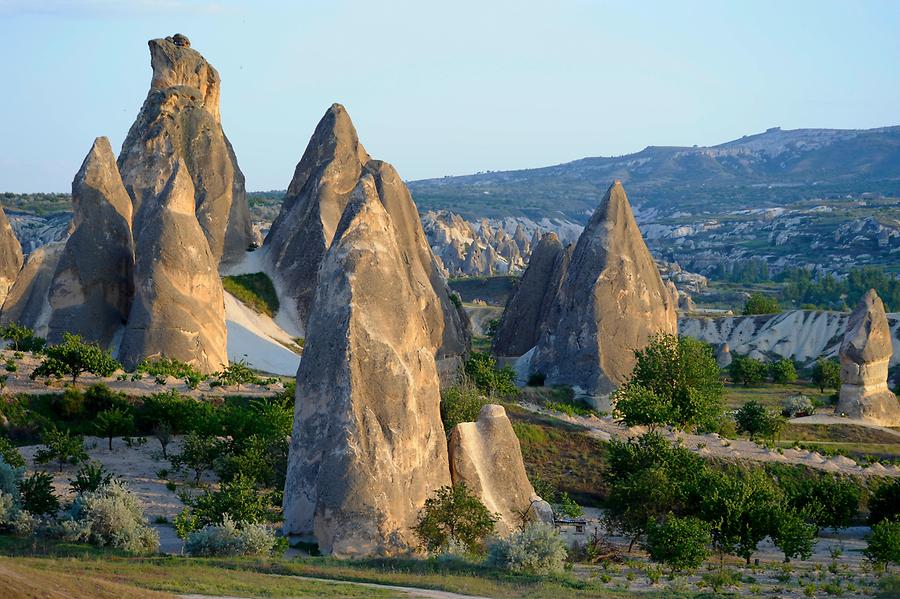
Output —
<point x="11" y="258"/>
<point x="93" y="284"/>
<point x="611" y="303"/>
<point x="180" y="121"/>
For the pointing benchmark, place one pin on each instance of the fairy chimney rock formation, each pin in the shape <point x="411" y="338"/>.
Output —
<point x="865" y="354"/>
<point x="93" y="284"/>
<point x="487" y="457"/>
<point x="611" y="303"/>
<point x="368" y="446"/>
<point x="11" y="258"/>
<point x="179" y="306"/>
<point x="27" y="302"/>
<point x="331" y="168"/>
<point x="180" y="120"/>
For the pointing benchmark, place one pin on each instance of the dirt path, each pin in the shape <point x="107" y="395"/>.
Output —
<point x="715" y="446"/>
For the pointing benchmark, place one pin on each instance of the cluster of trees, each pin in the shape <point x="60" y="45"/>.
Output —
<point x="758" y="303"/>
<point x="754" y="270"/>
<point x="801" y="287"/>
<point x="748" y="371"/>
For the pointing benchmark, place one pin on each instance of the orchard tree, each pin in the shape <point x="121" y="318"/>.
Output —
<point x="454" y="514"/>
<point x="73" y="357"/>
<point x="680" y="543"/>
<point x="114" y="422"/>
<point x="755" y="420"/>
<point x="747" y="371"/>
<point x="21" y="338"/>
<point x="826" y="374"/>
<point x="783" y="371"/>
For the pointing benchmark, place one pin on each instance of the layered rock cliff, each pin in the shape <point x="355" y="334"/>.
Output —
<point x="11" y="258"/>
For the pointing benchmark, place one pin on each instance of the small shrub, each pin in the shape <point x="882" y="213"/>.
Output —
<point x="10" y="453"/>
<point x="461" y="403"/>
<point x="162" y="368"/>
<point x="62" y="447"/>
<point x="37" y="496"/>
<point x="69" y="405"/>
<point x="884" y="504"/>
<point x="231" y="539"/>
<point x="111" y="516"/>
<point x="884" y="543"/>
<point x="99" y="397"/>
<point x="796" y="406"/>
<point x="492" y="381"/>
<point x="11" y="366"/>
<point x="90" y="477"/>
<point x="10" y="477"/>
<point x="680" y="543"/>
<point x="163" y="433"/>
<point x="454" y="513"/>
<point x="198" y="454"/>
<point x="22" y="338"/>
<point x="537" y="550"/>
<point x="238" y="499"/>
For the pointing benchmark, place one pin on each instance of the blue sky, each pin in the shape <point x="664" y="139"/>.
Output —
<point x="441" y="88"/>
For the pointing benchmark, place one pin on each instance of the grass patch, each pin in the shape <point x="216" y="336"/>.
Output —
<point x="256" y="291"/>
<point x="771" y="395"/>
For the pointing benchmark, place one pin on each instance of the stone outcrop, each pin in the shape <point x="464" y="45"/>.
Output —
<point x="27" y="302"/>
<point x="723" y="356"/>
<point x="180" y="121"/>
<point x="611" y="303"/>
<point x="486" y="456"/>
<point x="368" y="446"/>
<point x="93" y="284"/>
<point x="527" y="310"/>
<point x="179" y="308"/>
<point x="331" y="167"/>
<point x="865" y="354"/>
<point x="11" y="258"/>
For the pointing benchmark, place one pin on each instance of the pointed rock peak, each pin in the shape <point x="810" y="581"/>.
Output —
<point x="868" y="336"/>
<point x="175" y="63"/>
<point x="178" y="194"/>
<point x="548" y="240"/>
<point x="363" y="199"/>
<point x="99" y="173"/>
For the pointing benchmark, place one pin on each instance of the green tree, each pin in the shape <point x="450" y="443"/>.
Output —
<point x="758" y="303"/>
<point x="793" y="535"/>
<point x="454" y="514"/>
<point x="198" y="454"/>
<point x="883" y="505"/>
<point x="37" y="496"/>
<point x="62" y="447"/>
<point x="755" y="420"/>
<point x="90" y="477"/>
<point x="239" y="499"/>
<point x="824" y="500"/>
<point x="675" y="380"/>
<point x="680" y="543"/>
<point x="826" y="374"/>
<point x="783" y="371"/>
<point x="461" y="403"/>
<point x="494" y="382"/>
<point x="114" y="422"/>
<point x="73" y="357"/>
<point x="884" y="543"/>
<point x="21" y="338"/>
<point x="10" y="454"/>
<point x="747" y="371"/>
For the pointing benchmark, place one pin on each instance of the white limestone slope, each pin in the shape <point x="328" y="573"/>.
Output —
<point x="258" y="340"/>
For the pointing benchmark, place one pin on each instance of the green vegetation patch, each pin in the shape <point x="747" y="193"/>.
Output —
<point x="255" y="290"/>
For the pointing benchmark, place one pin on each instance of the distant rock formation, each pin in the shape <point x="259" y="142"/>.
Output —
<point x="331" y="167"/>
<point x="611" y="303"/>
<point x="865" y="354"/>
<point x="486" y="456"/>
<point x="27" y="302"/>
<point x="527" y="310"/>
<point x="723" y="356"/>
<point x="180" y="121"/>
<point x="93" y="284"/>
<point x="179" y="308"/>
<point x="11" y="258"/>
<point x="368" y="446"/>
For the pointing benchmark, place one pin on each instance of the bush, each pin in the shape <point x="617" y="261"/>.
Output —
<point x="111" y="516"/>
<point x="758" y="303"/>
<point x="69" y="405"/>
<point x="824" y="500"/>
<point x="10" y="477"/>
<point x="826" y="374"/>
<point x="747" y="371"/>
<point x="255" y="290"/>
<point x="461" y="403"/>
<point x="680" y="543"/>
<point x="238" y="373"/>
<point x="22" y="338"/>
<point x="37" y="496"/>
<point x="99" y="397"/>
<point x="495" y="383"/>
<point x="537" y="550"/>
<point x="453" y="513"/>
<point x="181" y="413"/>
<point x="73" y="357"/>
<point x="237" y="499"/>
<point x="884" y="504"/>
<point x="62" y="447"/>
<point x="796" y="406"/>
<point x="198" y="454"/>
<point x="10" y="453"/>
<point x="783" y="371"/>
<point x="166" y="367"/>
<point x="231" y="539"/>
<point x="90" y="477"/>
<point x="884" y="543"/>
<point x="755" y="420"/>
<point x="793" y="535"/>
<point x="536" y="379"/>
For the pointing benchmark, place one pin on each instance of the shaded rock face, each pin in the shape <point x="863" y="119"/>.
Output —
<point x="723" y="356"/>
<point x="486" y="456"/>
<point x="11" y="258"/>
<point x="611" y="303"/>
<point x="27" y="302"/>
<point x="331" y="167"/>
<point x="93" y="284"/>
<point x="180" y="121"/>
<point x="179" y="308"/>
<point x="368" y="446"/>
<point x="527" y="310"/>
<point x="865" y="354"/>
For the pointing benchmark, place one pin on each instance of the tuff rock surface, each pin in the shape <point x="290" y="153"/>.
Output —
<point x="368" y="446"/>
<point x="179" y="307"/>
<point x="865" y="354"/>
<point x="27" y="302"/>
<point x="180" y="120"/>
<point x="611" y="302"/>
<point x="11" y="258"/>
<point x="486" y="456"/>
<point x="93" y="285"/>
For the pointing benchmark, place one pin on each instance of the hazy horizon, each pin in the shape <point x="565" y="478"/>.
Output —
<point x="447" y="90"/>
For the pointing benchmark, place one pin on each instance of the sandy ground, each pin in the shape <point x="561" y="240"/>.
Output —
<point x="715" y="446"/>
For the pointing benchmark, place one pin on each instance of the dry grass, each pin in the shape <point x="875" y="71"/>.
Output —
<point x="20" y="581"/>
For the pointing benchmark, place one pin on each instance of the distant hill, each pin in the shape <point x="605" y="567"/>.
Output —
<point x="769" y="169"/>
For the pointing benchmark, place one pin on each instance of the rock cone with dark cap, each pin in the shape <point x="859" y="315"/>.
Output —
<point x="330" y="169"/>
<point x="368" y="445"/>
<point x="93" y="284"/>
<point x="527" y="310"/>
<point x="180" y="121"/>
<point x="865" y="354"/>
<point x="11" y="258"/>
<point x="611" y="303"/>
<point x="179" y="308"/>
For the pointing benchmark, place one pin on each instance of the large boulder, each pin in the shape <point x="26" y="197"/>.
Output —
<point x="180" y="121"/>
<point x="331" y="167"/>
<point x="528" y="308"/>
<point x="27" y="303"/>
<point x="93" y="284"/>
<point x="179" y="306"/>
<point x="486" y="457"/>
<point x="11" y="258"/>
<point x="368" y="447"/>
<point x="865" y="354"/>
<point x="611" y="303"/>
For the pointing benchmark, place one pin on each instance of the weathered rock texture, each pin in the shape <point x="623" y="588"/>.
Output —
<point x="865" y="355"/>
<point x="93" y="285"/>
<point x="331" y="167"/>
<point x="368" y="446"/>
<point x="180" y="121"/>
<point x="11" y="258"/>
<point x="527" y="310"/>
<point x="611" y="303"/>
<point x="179" y="308"/>
<point x="486" y="456"/>
<point x="27" y="303"/>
